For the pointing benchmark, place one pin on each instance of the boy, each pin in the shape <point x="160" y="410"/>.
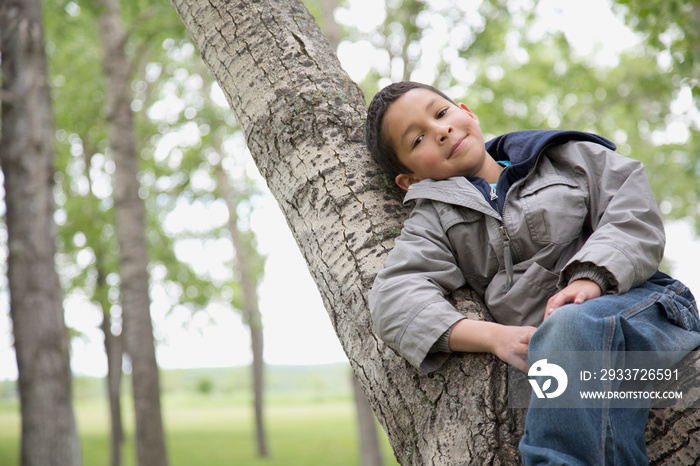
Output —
<point x="560" y="237"/>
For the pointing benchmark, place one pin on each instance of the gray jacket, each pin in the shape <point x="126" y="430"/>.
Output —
<point x="581" y="210"/>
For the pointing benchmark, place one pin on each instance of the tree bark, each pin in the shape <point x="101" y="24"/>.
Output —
<point x="133" y="253"/>
<point x="49" y="434"/>
<point x="673" y="434"/>
<point x="370" y="452"/>
<point x="303" y="121"/>
<point x="251" y="309"/>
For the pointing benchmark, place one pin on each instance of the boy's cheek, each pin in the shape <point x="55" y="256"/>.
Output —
<point x="430" y="160"/>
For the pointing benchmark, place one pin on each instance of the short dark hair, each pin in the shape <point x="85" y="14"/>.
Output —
<point x="379" y="148"/>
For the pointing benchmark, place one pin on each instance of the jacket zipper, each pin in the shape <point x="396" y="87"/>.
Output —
<point x="507" y="258"/>
<point x="507" y="255"/>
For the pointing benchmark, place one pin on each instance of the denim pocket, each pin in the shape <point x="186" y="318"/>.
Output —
<point x="681" y="309"/>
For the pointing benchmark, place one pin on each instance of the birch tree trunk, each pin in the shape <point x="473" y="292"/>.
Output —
<point x="49" y="433"/>
<point x="112" y="343"/>
<point x="303" y="121"/>
<point x="370" y="451"/>
<point x="114" y="351"/>
<point x="131" y="233"/>
<point x="251" y="309"/>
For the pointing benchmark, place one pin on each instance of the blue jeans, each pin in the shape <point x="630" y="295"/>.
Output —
<point x="659" y="315"/>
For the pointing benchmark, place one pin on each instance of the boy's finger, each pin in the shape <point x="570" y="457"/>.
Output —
<point x="554" y="302"/>
<point x="525" y="338"/>
<point x="520" y="362"/>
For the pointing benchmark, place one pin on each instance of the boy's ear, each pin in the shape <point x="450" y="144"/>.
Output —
<point x="466" y="109"/>
<point x="405" y="180"/>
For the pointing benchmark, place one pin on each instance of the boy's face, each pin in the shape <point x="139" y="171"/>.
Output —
<point x="433" y="137"/>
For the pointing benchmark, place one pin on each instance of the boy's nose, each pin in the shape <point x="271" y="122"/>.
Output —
<point x="444" y="132"/>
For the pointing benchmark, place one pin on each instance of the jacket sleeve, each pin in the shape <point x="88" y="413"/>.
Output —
<point x="407" y="301"/>
<point x="627" y="239"/>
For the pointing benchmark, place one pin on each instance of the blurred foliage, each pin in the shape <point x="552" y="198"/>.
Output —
<point x="179" y="131"/>
<point x="671" y="28"/>
<point x="496" y="56"/>
<point x="205" y="386"/>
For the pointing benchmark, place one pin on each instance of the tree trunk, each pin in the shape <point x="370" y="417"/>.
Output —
<point x="370" y="452"/>
<point x="133" y="254"/>
<point x="112" y="342"/>
<point x="49" y="434"/>
<point x="331" y="29"/>
<point x="251" y="310"/>
<point x="303" y="120"/>
<point x="113" y="349"/>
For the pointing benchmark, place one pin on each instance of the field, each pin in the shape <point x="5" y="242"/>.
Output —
<point x="310" y="419"/>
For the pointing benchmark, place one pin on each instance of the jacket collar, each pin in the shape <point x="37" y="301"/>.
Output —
<point x="523" y="147"/>
<point x="457" y="190"/>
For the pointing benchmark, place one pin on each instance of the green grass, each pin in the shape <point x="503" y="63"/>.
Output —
<point x="310" y="420"/>
<point x="9" y="432"/>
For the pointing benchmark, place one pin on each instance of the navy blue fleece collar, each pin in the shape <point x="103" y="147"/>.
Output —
<point x="522" y="148"/>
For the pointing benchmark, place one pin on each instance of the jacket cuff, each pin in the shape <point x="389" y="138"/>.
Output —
<point x="442" y="345"/>
<point x="592" y="272"/>
<point x="421" y="333"/>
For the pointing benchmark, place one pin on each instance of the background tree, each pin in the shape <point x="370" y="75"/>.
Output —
<point x="302" y="123"/>
<point x="210" y="156"/>
<point x="248" y="264"/>
<point x="176" y="122"/>
<point x="87" y="252"/>
<point x="131" y="236"/>
<point x="49" y="433"/>
<point x="370" y="451"/>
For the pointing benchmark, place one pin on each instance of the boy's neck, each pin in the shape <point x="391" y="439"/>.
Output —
<point x="492" y="171"/>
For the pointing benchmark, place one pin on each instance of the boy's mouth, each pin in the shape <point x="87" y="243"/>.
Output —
<point x="457" y="146"/>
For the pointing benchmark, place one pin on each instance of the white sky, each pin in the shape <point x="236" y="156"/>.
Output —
<point x="297" y="329"/>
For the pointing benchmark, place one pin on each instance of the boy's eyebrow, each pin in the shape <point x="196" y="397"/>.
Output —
<point x="413" y="125"/>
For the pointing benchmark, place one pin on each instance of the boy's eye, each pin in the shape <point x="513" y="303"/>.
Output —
<point x="417" y="141"/>
<point x="441" y="113"/>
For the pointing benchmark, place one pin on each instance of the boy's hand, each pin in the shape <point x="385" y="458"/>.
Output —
<point x="577" y="292"/>
<point x="512" y="341"/>
<point x="479" y="336"/>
